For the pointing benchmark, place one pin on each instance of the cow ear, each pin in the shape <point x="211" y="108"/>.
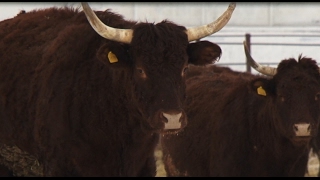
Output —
<point x="203" y="52"/>
<point x="114" y="55"/>
<point x="262" y="87"/>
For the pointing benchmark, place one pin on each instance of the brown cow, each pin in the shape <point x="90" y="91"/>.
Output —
<point x="248" y="125"/>
<point x="90" y="99"/>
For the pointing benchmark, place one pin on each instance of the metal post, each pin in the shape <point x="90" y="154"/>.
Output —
<point x="248" y="40"/>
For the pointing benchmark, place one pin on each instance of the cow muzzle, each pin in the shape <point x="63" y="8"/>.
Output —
<point x="302" y="129"/>
<point x="302" y="134"/>
<point x="173" y="120"/>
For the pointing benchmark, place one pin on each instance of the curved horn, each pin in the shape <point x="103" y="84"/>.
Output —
<point x="266" y="70"/>
<point x="119" y="35"/>
<point x="199" y="32"/>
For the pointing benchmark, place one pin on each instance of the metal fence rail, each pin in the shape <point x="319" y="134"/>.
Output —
<point x="277" y="40"/>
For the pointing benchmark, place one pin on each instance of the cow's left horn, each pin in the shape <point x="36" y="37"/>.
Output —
<point x="266" y="70"/>
<point x="119" y="35"/>
<point x="199" y="32"/>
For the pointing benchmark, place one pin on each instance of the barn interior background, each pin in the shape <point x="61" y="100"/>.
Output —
<point x="278" y="30"/>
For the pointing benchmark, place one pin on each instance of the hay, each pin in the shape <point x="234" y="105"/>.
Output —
<point x="22" y="164"/>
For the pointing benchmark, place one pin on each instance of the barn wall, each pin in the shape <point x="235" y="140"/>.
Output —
<point x="197" y="13"/>
<point x="269" y="14"/>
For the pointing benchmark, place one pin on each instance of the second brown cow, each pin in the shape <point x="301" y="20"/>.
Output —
<point x="248" y="125"/>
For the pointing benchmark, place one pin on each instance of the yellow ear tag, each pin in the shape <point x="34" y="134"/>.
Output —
<point x="261" y="91"/>
<point x="112" y="57"/>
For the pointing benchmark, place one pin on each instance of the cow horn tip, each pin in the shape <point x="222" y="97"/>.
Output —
<point x="232" y="5"/>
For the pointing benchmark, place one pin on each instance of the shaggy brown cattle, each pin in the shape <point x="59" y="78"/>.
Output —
<point x="248" y="125"/>
<point x="212" y="69"/>
<point x="90" y="99"/>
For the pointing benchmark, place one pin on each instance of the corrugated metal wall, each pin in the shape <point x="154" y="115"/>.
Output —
<point x="195" y="13"/>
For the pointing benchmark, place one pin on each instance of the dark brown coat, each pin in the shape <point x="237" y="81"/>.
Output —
<point x="69" y="111"/>
<point x="235" y="131"/>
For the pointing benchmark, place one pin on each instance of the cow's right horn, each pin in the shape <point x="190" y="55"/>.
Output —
<point x="119" y="35"/>
<point x="196" y="33"/>
<point x="266" y="70"/>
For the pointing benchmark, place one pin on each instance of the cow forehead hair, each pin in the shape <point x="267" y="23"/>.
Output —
<point x="303" y="62"/>
<point x="165" y="35"/>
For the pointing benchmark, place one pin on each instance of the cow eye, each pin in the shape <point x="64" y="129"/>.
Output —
<point x="317" y="97"/>
<point x="141" y="73"/>
<point x="184" y="71"/>
<point x="281" y="98"/>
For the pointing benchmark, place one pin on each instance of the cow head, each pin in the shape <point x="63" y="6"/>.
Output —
<point x="204" y="53"/>
<point x="156" y="56"/>
<point x="294" y="90"/>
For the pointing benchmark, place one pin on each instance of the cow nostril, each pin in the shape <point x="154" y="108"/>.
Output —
<point x="163" y="118"/>
<point x="172" y="121"/>
<point x="295" y="128"/>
